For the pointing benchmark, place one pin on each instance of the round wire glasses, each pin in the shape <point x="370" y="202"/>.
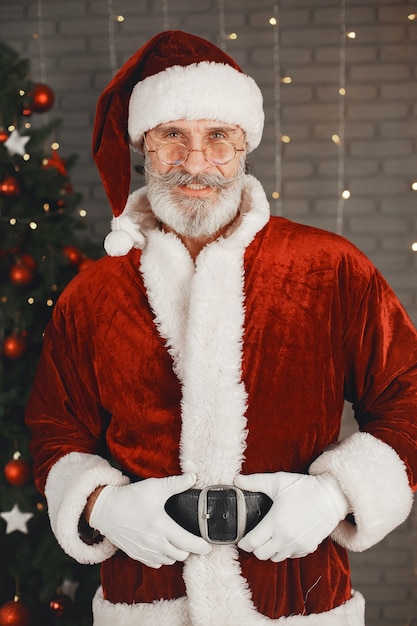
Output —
<point x="215" y="152"/>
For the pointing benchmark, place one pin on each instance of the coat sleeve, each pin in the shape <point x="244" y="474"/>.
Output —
<point x="68" y="427"/>
<point x="377" y="467"/>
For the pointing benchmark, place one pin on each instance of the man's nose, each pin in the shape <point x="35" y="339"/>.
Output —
<point x="195" y="162"/>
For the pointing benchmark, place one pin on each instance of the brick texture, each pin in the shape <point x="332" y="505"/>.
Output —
<point x="380" y="147"/>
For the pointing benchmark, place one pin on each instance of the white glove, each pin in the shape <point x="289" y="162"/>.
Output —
<point x="134" y="519"/>
<point x="305" y="510"/>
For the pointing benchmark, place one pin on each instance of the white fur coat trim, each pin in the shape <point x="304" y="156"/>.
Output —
<point x="70" y="481"/>
<point x="175" y="613"/>
<point x="374" y="480"/>
<point x="199" y="310"/>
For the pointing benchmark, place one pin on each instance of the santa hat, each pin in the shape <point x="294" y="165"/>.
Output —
<point x="174" y="76"/>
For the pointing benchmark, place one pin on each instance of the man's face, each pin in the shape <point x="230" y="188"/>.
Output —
<point x="195" y="198"/>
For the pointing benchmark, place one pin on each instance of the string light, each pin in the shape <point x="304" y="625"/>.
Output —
<point x="339" y="138"/>
<point x="414" y="185"/>
<point x="276" y="195"/>
<point x="165" y="16"/>
<point x="351" y="34"/>
<point x="414" y="246"/>
<point x="222" y="25"/>
<point x="40" y="39"/>
<point x="110" y="25"/>
<point x="412" y="16"/>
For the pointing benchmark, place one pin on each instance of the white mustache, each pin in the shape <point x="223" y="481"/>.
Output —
<point x="177" y="179"/>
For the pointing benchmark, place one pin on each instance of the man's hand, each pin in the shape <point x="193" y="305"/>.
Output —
<point x="306" y="509"/>
<point x="133" y="518"/>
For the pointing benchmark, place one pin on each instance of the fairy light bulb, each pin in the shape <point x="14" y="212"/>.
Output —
<point x="346" y="194"/>
<point x="412" y="17"/>
<point x="414" y="185"/>
<point x="336" y="139"/>
<point x="232" y="36"/>
<point x="275" y="195"/>
<point x="273" y="21"/>
<point x="351" y="34"/>
<point x="285" y="138"/>
<point x="286" y="80"/>
<point x="33" y="225"/>
<point x="414" y="246"/>
<point x="120" y="18"/>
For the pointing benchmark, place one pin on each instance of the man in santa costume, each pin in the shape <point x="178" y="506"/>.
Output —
<point x="187" y="407"/>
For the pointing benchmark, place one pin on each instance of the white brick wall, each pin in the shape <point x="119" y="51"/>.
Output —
<point x="381" y="154"/>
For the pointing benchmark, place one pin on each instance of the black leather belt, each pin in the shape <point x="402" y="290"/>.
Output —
<point x="220" y="514"/>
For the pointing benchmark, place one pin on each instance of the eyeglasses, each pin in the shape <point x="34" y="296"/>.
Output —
<point x="215" y="152"/>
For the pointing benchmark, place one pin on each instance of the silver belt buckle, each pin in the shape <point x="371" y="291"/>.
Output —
<point x="204" y="515"/>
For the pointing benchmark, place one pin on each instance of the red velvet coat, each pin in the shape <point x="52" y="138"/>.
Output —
<point x="279" y="330"/>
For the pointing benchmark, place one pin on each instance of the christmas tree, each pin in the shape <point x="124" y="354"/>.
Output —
<point x="41" y="250"/>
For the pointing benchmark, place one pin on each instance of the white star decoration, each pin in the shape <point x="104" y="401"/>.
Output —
<point x="15" y="144"/>
<point x="16" y="520"/>
<point x="69" y="588"/>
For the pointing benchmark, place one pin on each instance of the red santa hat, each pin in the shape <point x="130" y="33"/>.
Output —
<point x="174" y="76"/>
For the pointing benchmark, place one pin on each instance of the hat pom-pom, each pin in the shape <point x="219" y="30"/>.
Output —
<point x="118" y="243"/>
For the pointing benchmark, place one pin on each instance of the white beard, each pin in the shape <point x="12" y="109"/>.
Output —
<point x="194" y="217"/>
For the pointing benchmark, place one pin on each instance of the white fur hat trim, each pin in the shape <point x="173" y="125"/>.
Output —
<point x="205" y="90"/>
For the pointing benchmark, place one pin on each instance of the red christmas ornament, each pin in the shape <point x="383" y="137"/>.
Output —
<point x="21" y="274"/>
<point x="14" y="613"/>
<point x="56" y="162"/>
<point x="73" y="255"/>
<point x="14" y="346"/>
<point x="85" y="263"/>
<point x="17" y="472"/>
<point x="60" y="604"/>
<point x="27" y="112"/>
<point x="9" y="187"/>
<point x="4" y="135"/>
<point x="28" y="261"/>
<point x="43" y="98"/>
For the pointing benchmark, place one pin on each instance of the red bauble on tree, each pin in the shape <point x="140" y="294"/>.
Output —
<point x="9" y="187"/>
<point x="17" y="472"/>
<point x="4" y="135"/>
<point x="29" y="261"/>
<point x="14" y="346"/>
<point x="43" y="98"/>
<point x="60" y="604"/>
<point x="21" y="274"/>
<point x="73" y="255"/>
<point x="84" y="263"/>
<point x="14" y="613"/>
